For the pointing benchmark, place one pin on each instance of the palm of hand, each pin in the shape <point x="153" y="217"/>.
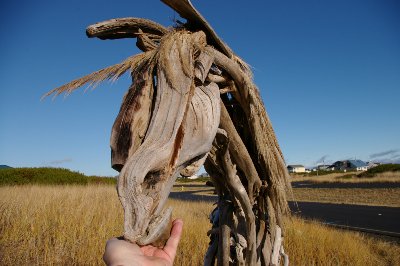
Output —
<point x="120" y="252"/>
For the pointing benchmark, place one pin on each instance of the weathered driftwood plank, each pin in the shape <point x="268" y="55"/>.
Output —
<point x="125" y="28"/>
<point x="131" y="124"/>
<point x="203" y="65"/>
<point x="240" y="155"/>
<point x="186" y="10"/>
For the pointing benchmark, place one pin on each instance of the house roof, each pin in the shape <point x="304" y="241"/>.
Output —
<point x="357" y="163"/>
<point x="351" y="163"/>
<point x="295" y="165"/>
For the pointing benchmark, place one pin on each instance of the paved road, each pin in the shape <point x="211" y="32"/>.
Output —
<point x="369" y="217"/>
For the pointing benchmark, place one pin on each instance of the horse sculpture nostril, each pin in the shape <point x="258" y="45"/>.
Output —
<point x="117" y="167"/>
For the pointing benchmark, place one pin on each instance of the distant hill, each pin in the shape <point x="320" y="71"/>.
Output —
<point x="3" y="166"/>
<point x="48" y="176"/>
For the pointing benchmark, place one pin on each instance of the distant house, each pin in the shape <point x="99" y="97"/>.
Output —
<point x="325" y="167"/>
<point x="351" y="165"/>
<point x="372" y="165"/>
<point x="297" y="168"/>
<point x="188" y="177"/>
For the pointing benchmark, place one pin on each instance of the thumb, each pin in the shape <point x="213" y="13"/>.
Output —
<point x="173" y="241"/>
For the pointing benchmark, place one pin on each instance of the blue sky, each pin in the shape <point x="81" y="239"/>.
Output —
<point x="328" y="72"/>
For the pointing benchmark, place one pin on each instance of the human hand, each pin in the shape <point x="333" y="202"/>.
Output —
<point x="121" y="252"/>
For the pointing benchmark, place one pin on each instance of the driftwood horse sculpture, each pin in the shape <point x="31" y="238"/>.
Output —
<point x="192" y="102"/>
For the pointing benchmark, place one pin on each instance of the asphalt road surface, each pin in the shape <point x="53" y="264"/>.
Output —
<point x="367" y="217"/>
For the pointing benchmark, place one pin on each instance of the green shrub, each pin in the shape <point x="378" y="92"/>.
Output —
<point x="380" y="169"/>
<point x="48" y="176"/>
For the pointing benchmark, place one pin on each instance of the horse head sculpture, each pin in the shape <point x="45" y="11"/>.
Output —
<point x="192" y="102"/>
<point x="171" y="133"/>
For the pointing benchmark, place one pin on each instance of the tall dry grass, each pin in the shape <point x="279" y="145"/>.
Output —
<point x="359" y="196"/>
<point x="390" y="177"/>
<point x="53" y="225"/>
<point x="311" y="243"/>
<point x="68" y="225"/>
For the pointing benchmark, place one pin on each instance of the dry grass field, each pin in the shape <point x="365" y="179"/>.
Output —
<point x="68" y="225"/>
<point x="390" y="177"/>
<point x="372" y="194"/>
<point x="360" y="196"/>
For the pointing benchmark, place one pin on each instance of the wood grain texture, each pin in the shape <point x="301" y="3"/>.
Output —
<point x="182" y="126"/>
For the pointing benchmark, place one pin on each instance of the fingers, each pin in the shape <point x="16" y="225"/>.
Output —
<point x="120" y="252"/>
<point x="173" y="241"/>
<point x="110" y="250"/>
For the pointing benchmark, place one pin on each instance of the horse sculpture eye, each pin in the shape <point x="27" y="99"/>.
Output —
<point x="152" y="178"/>
<point x="192" y="102"/>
